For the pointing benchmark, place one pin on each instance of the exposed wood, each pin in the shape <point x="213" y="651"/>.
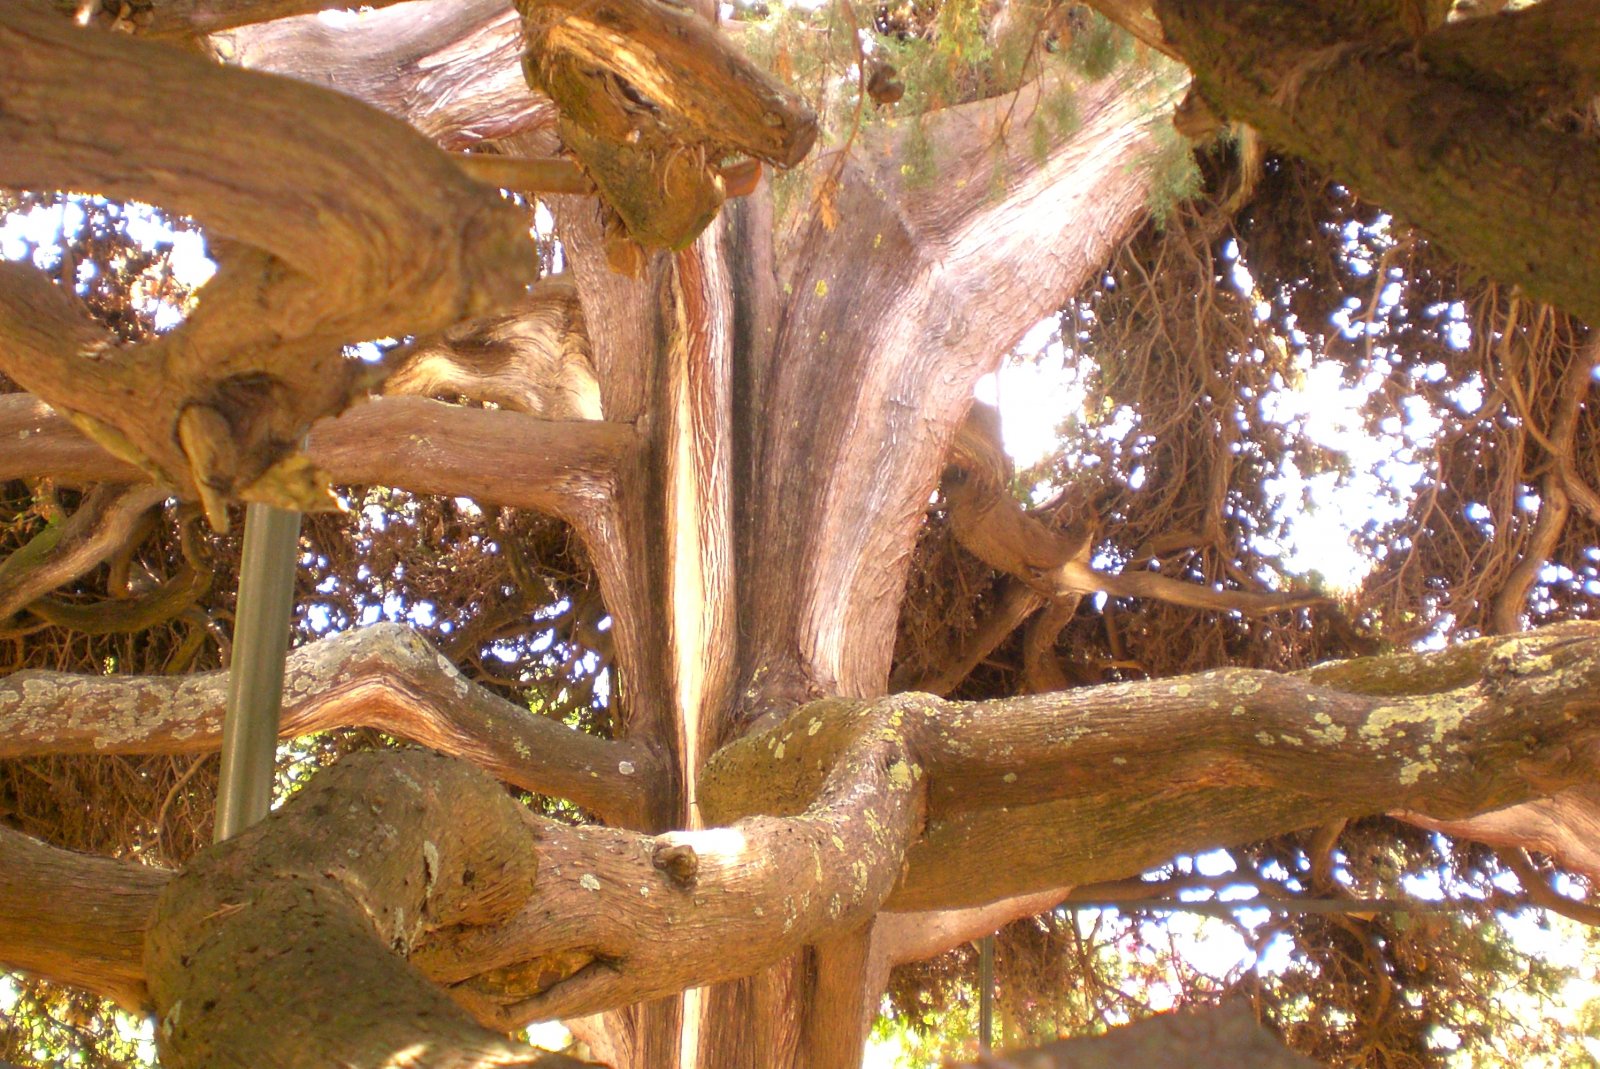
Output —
<point x="915" y="305"/>
<point x="652" y="98"/>
<point x="450" y="68"/>
<point x="533" y="359"/>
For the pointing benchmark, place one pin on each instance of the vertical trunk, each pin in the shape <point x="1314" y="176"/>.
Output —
<point x="795" y="426"/>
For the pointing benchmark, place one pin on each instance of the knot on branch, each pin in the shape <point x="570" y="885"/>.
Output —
<point x="652" y="101"/>
<point x="679" y="862"/>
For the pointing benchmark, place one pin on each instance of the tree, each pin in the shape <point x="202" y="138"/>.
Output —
<point x="744" y="431"/>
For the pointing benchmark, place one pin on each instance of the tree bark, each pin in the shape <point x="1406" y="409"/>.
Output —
<point x="1425" y="127"/>
<point x="519" y="919"/>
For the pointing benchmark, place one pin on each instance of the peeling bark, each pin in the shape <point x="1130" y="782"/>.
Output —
<point x="450" y="68"/>
<point x="534" y="359"/>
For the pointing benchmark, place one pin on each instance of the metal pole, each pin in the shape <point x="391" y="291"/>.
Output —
<point x="255" y="675"/>
<point x="985" y="993"/>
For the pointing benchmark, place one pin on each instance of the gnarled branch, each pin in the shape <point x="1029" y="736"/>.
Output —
<point x="384" y="676"/>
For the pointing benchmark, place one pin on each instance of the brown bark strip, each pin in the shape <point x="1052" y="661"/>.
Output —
<point x="900" y="369"/>
<point x="347" y="250"/>
<point x="102" y="525"/>
<point x="384" y="677"/>
<point x="565" y="469"/>
<point x="1462" y="163"/>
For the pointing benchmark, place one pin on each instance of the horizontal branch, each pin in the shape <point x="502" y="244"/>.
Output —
<point x="76" y="919"/>
<point x="991" y="524"/>
<point x="1099" y="783"/>
<point x="534" y="358"/>
<point x="385" y="677"/>
<point x="494" y="457"/>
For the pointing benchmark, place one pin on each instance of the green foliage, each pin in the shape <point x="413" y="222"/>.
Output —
<point x="1175" y="175"/>
<point x="1099" y="47"/>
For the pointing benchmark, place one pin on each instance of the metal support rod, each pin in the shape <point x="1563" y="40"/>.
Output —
<point x="255" y="675"/>
<point x="985" y="994"/>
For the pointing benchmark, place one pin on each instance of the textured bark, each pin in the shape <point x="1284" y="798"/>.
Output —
<point x="76" y="919"/>
<point x="383" y="677"/>
<point x="519" y="918"/>
<point x="341" y="250"/>
<point x="533" y="359"/>
<point x="565" y="469"/>
<point x="1425" y="128"/>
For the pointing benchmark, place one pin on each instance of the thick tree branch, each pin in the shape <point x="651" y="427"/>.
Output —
<point x="497" y="458"/>
<point x="534" y="359"/>
<point x="1462" y="162"/>
<point x="346" y="250"/>
<point x="1013" y="785"/>
<point x="303" y="922"/>
<point x="901" y="370"/>
<point x="76" y="919"/>
<point x="384" y="677"/>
